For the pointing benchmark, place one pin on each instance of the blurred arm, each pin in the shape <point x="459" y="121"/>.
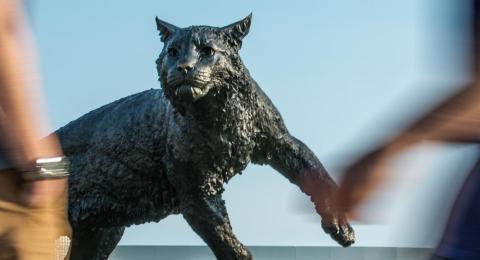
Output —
<point x="457" y="119"/>
<point x="22" y="119"/>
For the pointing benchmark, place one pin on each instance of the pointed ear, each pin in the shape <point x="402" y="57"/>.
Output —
<point x="239" y="29"/>
<point x="166" y="30"/>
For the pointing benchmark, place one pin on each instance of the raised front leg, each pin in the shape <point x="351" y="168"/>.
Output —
<point x="295" y="161"/>
<point x="208" y="217"/>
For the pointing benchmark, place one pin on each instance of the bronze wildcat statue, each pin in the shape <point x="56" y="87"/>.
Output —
<point x="161" y="152"/>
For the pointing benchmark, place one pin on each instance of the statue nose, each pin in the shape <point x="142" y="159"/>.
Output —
<point x="185" y="67"/>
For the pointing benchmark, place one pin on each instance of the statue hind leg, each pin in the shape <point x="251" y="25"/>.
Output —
<point x="97" y="244"/>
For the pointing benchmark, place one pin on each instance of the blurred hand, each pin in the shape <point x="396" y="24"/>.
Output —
<point x="43" y="193"/>
<point x="360" y="179"/>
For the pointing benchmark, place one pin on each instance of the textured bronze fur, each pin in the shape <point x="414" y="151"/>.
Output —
<point x="170" y="150"/>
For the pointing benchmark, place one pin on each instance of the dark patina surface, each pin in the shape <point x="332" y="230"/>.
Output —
<point x="169" y="151"/>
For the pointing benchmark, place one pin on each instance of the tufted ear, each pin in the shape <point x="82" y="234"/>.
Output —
<point x="239" y="29"/>
<point x="166" y="30"/>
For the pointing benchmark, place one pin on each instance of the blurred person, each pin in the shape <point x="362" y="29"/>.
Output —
<point x="457" y="119"/>
<point x="33" y="184"/>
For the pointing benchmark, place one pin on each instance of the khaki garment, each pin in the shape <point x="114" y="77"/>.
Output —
<point x="29" y="233"/>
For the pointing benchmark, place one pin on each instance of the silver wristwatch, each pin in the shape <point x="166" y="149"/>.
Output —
<point x="48" y="168"/>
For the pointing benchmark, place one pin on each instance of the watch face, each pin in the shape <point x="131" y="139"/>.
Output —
<point x="54" y="167"/>
<point x="49" y="160"/>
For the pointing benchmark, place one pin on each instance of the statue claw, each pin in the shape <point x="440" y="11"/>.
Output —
<point x="340" y="231"/>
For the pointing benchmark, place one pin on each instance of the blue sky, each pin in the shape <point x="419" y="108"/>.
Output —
<point x="341" y="72"/>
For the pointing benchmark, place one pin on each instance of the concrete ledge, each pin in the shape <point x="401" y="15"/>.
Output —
<point x="272" y="253"/>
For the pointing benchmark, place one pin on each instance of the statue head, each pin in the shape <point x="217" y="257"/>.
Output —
<point x="198" y="61"/>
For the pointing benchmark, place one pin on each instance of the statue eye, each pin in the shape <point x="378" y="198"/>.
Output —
<point x="207" y="51"/>
<point x="172" y="51"/>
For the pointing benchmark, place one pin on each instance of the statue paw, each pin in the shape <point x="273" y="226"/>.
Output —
<point x="339" y="230"/>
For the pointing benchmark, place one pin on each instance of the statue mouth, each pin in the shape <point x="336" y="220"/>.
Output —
<point x="188" y="91"/>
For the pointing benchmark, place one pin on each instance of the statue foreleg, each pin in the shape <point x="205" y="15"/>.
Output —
<point x="296" y="162"/>
<point x="208" y="217"/>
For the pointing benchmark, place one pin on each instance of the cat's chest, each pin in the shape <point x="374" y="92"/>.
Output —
<point x="227" y="148"/>
<point x="208" y="160"/>
<point x="198" y="143"/>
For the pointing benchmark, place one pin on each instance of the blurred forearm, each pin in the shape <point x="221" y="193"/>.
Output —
<point x="455" y="120"/>
<point x="23" y="118"/>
